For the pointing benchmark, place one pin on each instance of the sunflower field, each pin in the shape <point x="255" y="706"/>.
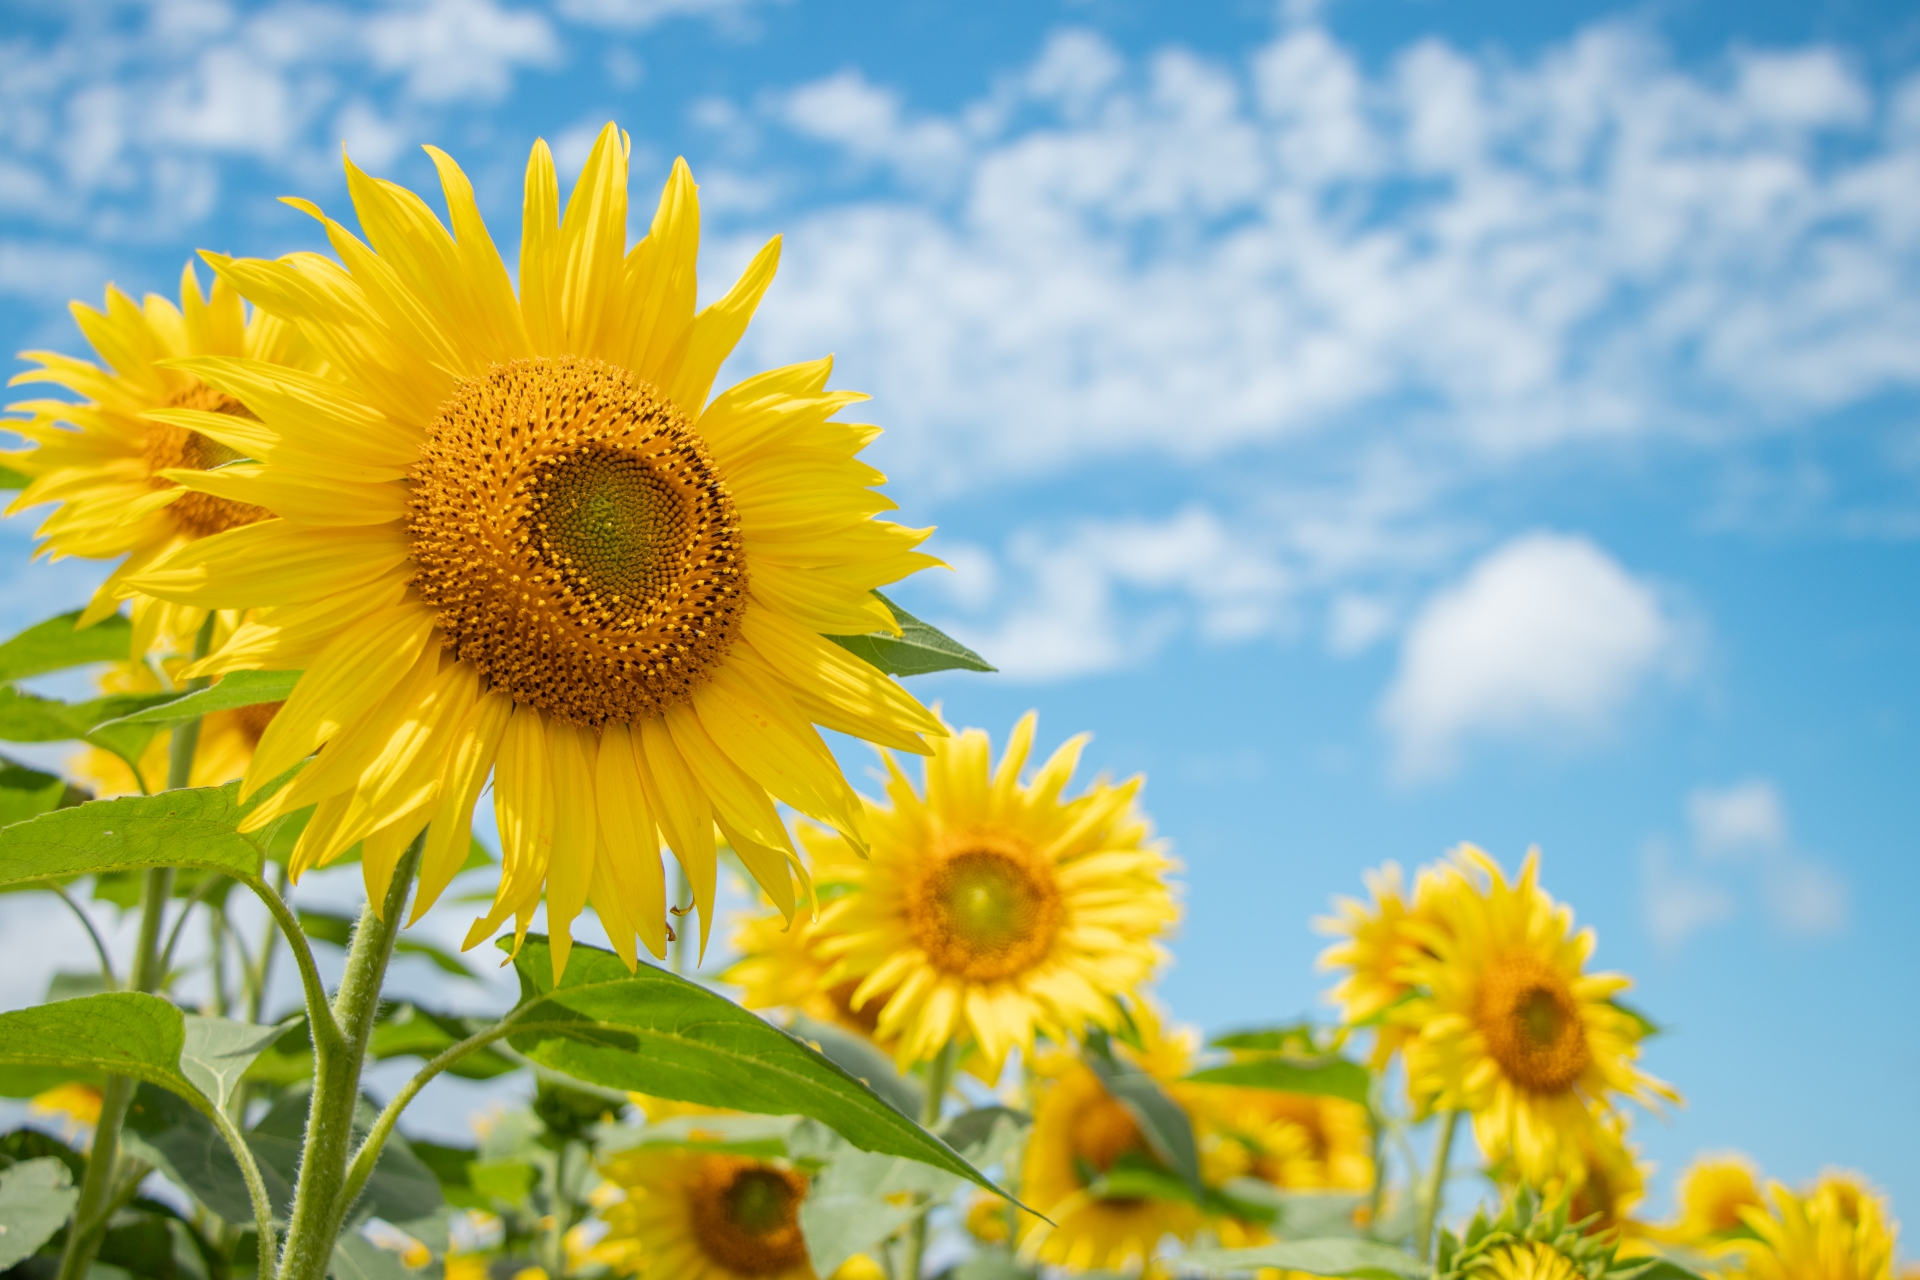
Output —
<point x="398" y="532"/>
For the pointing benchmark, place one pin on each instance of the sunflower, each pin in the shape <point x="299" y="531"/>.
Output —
<point x="702" y="1216"/>
<point x="1377" y="945"/>
<point x="1511" y="1026"/>
<point x="1295" y="1141"/>
<point x="1529" y="1242"/>
<point x="992" y="910"/>
<point x="1839" y="1230"/>
<point x="77" y="1105"/>
<point x="515" y="535"/>
<point x="1080" y="1132"/>
<point x="1715" y="1192"/>
<point x="1604" y="1188"/>
<point x="114" y="461"/>
<point x="224" y="749"/>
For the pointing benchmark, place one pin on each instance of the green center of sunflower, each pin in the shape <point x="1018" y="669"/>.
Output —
<point x="745" y="1215"/>
<point x="574" y="537"/>
<point x="1531" y="1024"/>
<point x="986" y="909"/>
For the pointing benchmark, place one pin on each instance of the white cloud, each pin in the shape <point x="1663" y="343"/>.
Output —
<point x="1743" y="848"/>
<point x="1547" y="637"/>
<point x="458" y="49"/>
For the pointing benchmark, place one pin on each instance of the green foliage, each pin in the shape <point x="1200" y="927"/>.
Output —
<point x="54" y="645"/>
<point x="11" y="479"/>
<point x="26" y="792"/>
<point x="217" y="1052"/>
<point x="858" y="1198"/>
<point x="35" y="1198"/>
<point x="863" y="1062"/>
<point x="402" y="1030"/>
<point x="120" y="1033"/>
<point x="193" y="827"/>
<point x="357" y="1258"/>
<point x="1524" y="1219"/>
<point x="1359" y="1259"/>
<point x="655" y="1032"/>
<point x="26" y="717"/>
<point x="1160" y="1119"/>
<point x="1330" y="1077"/>
<point x="236" y="689"/>
<point x="918" y="650"/>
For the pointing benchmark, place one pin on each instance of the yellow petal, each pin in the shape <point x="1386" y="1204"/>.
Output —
<point x="570" y="871"/>
<point x="468" y="761"/>
<point x="717" y="330"/>
<point x="274" y="562"/>
<point x="678" y="804"/>
<point x="630" y="843"/>
<point x="539" y="254"/>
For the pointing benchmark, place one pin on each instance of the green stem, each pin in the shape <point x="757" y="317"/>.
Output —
<point x="320" y="1023"/>
<point x="939" y="1073"/>
<point x="1435" y="1189"/>
<point x="107" y="974"/>
<point x="320" y="1202"/>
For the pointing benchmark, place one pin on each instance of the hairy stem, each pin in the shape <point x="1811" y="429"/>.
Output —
<point x="1435" y="1190"/>
<point x="939" y="1072"/>
<point x="320" y="1199"/>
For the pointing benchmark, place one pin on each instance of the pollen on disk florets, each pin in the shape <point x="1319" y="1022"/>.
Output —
<point x="168" y="447"/>
<point x="575" y="538"/>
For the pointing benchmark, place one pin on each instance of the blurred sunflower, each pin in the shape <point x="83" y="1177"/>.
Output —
<point x="515" y="536"/>
<point x="225" y="747"/>
<point x="1295" y="1141"/>
<point x="114" y="460"/>
<point x="1603" y="1190"/>
<point x="1080" y="1133"/>
<point x="1840" y="1230"/>
<point x="993" y="910"/>
<point x="1530" y="1242"/>
<point x="1377" y="946"/>
<point x="1714" y="1194"/>
<point x="700" y="1216"/>
<point x="1511" y="1026"/>
<point x="77" y="1105"/>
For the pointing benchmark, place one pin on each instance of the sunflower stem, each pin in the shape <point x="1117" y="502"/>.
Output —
<point x="1436" y="1187"/>
<point x="148" y="974"/>
<point x="939" y="1072"/>
<point x="320" y="1198"/>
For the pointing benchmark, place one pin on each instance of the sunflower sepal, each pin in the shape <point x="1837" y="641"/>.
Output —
<point x="1525" y="1221"/>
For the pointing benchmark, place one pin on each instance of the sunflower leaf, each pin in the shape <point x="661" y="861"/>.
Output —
<point x="918" y="650"/>
<point x="653" y="1032"/>
<point x="1360" y="1259"/>
<point x="120" y="1032"/>
<point x="26" y="792"/>
<point x="1160" y="1119"/>
<point x="54" y="645"/>
<point x="191" y="827"/>
<point x="1329" y="1077"/>
<point x="235" y="690"/>
<point x="35" y="1198"/>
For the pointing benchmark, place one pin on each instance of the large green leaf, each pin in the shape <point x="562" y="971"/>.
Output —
<point x="169" y="1134"/>
<point x="35" y="1199"/>
<point x="235" y="690"/>
<point x="918" y="650"/>
<point x="866" y="1063"/>
<point x="653" y="1032"/>
<point x="1331" y="1077"/>
<point x="401" y="1030"/>
<point x="193" y="827"/>
<point x="1360" y="1259"/>
<point x="859" y="1199"/>
<point x="54" y="645"/>
<point x="121" y="1033"/>
<point x="1160" y="1119"/>
<point x="357" y="1258"/>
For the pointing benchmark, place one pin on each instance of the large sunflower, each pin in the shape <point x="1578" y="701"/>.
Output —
<point x="1840" y="1230"/>
<point x="113" y="461"/>
<point x="698" y="1215"/>
<point x="1081" y="1132"/>
<point x="992" y="910"/>
<point x="515" y="536"/>
<point x="1511" y="1026"/>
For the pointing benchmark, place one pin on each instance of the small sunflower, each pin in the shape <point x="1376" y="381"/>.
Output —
<point x="114" y="461"/>
<point x="702" y="1216"/>
<point x="1295" y="1141"/>
<point x="1511" y="1026"/>
<point x="1839" y="1230"/>
<point x="515" y="536"/>
<point x="993" y="910"/>
<point x="225" y="747"/>
<point x="1080" y="1132"/>
<point x="1377" y="945"/>
<point x="1528" y="1242"/>
<point x="1603" y="1189"/>
<point x="1715" y="1193"/>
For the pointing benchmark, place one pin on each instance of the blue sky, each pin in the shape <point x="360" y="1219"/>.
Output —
<point x="1384" y="424"/>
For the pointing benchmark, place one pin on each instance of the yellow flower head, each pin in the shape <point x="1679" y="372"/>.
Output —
<point x="1715" y="1192"/>
<point x="1602" y="1187"/>
<point x="700" y="1216"/>
<point x="225" y="747"/>
<point x="114" y="461"/>
<point x="515" y="535"/>
<point x="993" y="910"/>
<point x="1081" y="1132"/>
<point x="1511" y="1026"/>
<point x="1840" y="1230"/>
<point x="1295" y="1141"/>
<point x="1377" y="944"/>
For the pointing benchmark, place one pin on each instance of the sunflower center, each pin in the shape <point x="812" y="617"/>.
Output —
<point x="576" y="540"/>
<point x="252" y="721"/>
<point x="1102" y="1132"/>
<point x="866" y="1017"/>
<point x="985" y="910"/>
<point x="1532" y="1025"/>
<point x="746" y="1215"/>
<point x="175" y="448"/>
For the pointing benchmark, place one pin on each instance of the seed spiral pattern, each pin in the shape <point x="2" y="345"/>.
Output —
<point x="198" y="515"/>
<point x="574" y="537"/>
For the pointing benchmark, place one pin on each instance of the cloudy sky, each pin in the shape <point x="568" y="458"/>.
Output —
<point x="1385" y="424"/>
